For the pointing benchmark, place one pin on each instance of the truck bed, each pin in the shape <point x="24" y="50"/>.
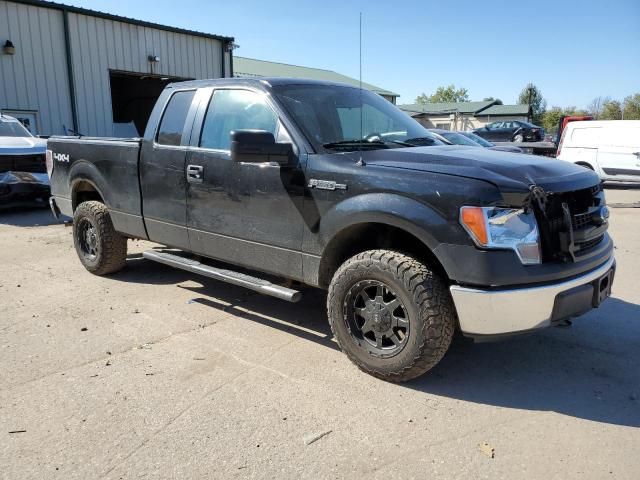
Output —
<point x="112" y="164"/>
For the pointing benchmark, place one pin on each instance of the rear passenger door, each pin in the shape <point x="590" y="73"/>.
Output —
<point x="506" y="131"/>
<point x="243" y="213"/>
<point x="493" y="130"/>
<point x="162" y="172"/>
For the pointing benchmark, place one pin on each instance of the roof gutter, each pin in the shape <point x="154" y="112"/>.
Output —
<point x="119" y="18"/>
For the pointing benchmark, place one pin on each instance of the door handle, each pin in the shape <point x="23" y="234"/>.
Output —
<point x="195" y="173"/>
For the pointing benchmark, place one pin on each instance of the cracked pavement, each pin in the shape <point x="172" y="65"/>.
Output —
<point x="155" y="373"/>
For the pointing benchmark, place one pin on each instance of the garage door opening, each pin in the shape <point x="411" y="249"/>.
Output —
<point x="133" y="96"/>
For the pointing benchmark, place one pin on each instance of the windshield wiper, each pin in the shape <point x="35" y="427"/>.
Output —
<point x="423" y="141"/>
<point x="367" y="143"/>
<point x="404" y="143"/>
<point x="354" y="143"/>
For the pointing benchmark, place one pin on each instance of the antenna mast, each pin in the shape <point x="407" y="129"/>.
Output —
<point x="360" y="81"/>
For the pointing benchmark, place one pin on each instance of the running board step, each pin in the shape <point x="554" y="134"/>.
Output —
<point x="235" y="278"/>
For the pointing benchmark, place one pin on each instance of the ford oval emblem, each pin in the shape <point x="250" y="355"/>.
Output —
<point x="601" y="216"/>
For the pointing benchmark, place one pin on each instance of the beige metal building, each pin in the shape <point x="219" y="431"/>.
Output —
<point x="465" y="115"/>
<point x="65" y="68"/>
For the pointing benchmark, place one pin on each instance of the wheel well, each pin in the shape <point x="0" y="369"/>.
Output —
<point x="585" y="165"/>
<point x="369" y="236"/>
<point x="84" y="191"/>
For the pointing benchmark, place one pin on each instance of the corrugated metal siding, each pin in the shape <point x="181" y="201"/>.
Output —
<point x="35" y="78"/>
<point x="99" y="45"/>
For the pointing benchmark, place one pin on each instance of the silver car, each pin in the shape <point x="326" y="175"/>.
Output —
<point x="23" y="171"/>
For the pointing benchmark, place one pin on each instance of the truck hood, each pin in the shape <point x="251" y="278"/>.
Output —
<point x="510" y="172"/>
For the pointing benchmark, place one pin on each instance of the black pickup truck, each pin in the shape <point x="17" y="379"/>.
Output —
<point x="326" y="185"/>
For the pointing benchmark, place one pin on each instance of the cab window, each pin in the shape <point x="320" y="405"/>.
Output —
<point x="174" y="118"/>
<point x="236" y="110"/>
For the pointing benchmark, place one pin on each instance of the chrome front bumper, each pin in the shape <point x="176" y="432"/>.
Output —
<point x="500" y="312"/>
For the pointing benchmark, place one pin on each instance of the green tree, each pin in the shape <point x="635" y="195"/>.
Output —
<point x="611" y="110"/>
<point x="632" y="107"/>
<point x="445" y="94"/>
<point x="596" y="105"/>
<point x="551" y="117"/>
<point x="532" y="96"/>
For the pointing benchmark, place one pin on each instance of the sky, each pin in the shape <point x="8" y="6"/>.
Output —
<point x="572" y="50"/>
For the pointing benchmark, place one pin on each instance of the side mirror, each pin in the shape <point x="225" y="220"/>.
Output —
<point x="259" y="146"/>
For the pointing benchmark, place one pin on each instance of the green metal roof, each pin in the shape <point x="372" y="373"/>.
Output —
<point x="250" y="67"/>
<point x="497" y="110"/>
<point x="446" y="107"/>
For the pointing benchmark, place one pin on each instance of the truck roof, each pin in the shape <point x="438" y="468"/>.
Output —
<point x="263" y="81"/>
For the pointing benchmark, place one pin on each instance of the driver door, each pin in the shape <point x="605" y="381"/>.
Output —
<point x="243" y="213"/>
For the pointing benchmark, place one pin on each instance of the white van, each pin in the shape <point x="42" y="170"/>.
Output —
<point x="610" y="147"/>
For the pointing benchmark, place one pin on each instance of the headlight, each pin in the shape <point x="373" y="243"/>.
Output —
<point x="504" y="228"/>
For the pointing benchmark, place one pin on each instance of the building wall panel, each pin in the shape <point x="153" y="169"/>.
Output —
<point x="35" y="78"/>
<point x="99" y="45"/>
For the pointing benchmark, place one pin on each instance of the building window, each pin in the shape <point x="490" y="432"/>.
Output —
<point x="28" y="118"/>
<point x="443" y="126"/>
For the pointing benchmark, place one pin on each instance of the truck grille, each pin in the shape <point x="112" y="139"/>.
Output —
<point x="584" y="247"/>
<point x="580" y="220"/>
<point x="23" y="163"/>
<point x="569" y="224"/>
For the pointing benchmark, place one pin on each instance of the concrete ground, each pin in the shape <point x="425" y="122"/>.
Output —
<point x="154" y="373"/>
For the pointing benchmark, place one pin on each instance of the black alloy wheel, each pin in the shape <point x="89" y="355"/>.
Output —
<point x="376" y="318"/>
<point x="87" y="238"/>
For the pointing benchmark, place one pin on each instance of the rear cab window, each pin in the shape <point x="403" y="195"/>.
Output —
<point x="174" y="117"/>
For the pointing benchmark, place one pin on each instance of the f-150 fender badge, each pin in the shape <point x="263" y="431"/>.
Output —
<point x="326" y="185"/>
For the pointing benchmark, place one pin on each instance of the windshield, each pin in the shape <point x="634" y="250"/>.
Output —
<point x="13" y="129"/>
<point x="477" y="138"/>
<point x="344" y="118"/>
<point x="458" y="139"/>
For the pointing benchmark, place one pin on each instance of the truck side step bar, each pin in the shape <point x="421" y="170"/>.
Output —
<point x="235" y="278"/>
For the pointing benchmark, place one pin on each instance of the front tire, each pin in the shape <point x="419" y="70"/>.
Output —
<point x="392" y="315"/>
<point x="518" y="138"/>
<point x="100" y="248"/>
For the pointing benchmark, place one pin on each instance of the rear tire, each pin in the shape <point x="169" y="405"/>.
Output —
<point x="100" y="248"/>
<point x="518" y="138"/>
<point x="391" y="315"/>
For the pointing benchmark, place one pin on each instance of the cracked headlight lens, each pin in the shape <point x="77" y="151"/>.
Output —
<point x="504" y="228"/>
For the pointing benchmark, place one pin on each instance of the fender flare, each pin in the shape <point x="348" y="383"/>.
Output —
<point x="404" y="213"/>
<point x="84" y="171"/>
